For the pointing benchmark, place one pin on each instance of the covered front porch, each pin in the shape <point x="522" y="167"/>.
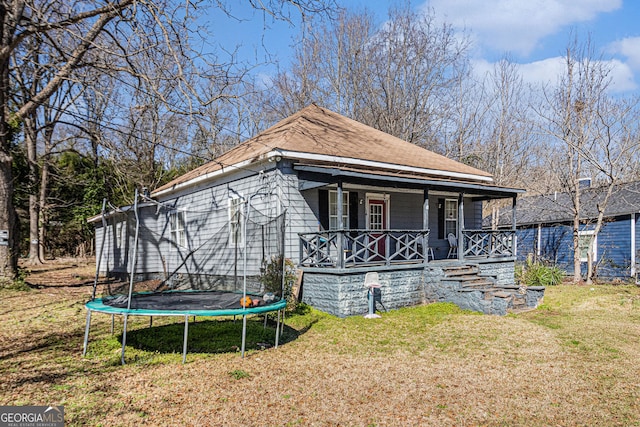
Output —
<point x="364" y="219"/>
<point x="423" y="238"/>
<point x="390" y="247"/>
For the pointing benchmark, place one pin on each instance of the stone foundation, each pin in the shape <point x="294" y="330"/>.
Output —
<point x="341" y="292"/>
<point x="492" y="290"/>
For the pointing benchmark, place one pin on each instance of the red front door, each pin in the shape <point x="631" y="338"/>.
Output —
<point x="378" y="221"/>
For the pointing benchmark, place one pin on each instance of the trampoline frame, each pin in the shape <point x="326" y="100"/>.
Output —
<point x="99" y="306"/>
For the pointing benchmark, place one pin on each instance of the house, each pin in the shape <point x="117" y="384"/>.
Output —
<point x="355" y="200"/>
<point x="545" y="231"/>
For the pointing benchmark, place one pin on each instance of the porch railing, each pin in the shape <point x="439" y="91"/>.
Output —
<point x="348" y="248"/>
<point x="491" y="243"/>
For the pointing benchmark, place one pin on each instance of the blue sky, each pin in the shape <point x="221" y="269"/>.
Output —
<point x="533" y="32"/>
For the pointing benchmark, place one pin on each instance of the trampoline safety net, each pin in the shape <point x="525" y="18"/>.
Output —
<point x="233" y="250"/>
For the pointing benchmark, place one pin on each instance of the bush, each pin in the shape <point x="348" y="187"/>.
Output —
<point x="538" y="274"/>
<point x="271" y="277"/>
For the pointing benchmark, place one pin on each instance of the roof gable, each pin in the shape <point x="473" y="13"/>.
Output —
<point x="317" y="133"/>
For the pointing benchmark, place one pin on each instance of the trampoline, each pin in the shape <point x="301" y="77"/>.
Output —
<point x="210" y="280"/>
<point x="182" y="304"/>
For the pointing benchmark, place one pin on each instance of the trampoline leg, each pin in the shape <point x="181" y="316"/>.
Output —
<point x="186" y="333"/>
<point x="265" y="322"/>
<point x="277" y="329"/>
<point x="284" y="312"/>
<point x="150" y="321"/>
<point x="124" y="339"/>
<point x="86" y="334"/>
<point x="113" y="321"/>
<point x="244" y="334"/>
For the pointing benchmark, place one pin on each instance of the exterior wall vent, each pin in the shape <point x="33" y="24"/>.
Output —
<point x="584" y="183"/>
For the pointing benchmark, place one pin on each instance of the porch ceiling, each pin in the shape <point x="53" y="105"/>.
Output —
<point x="317" y="175"/>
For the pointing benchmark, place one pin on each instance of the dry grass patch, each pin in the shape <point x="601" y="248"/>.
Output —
<point x="571" y="362"/>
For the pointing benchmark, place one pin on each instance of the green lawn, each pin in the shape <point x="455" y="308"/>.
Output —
<point x="573" y="361"/>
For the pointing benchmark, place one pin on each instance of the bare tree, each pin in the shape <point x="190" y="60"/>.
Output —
<point x="100" y="35"/>
<point x="30" y="77"/>
<point x="397" y="77"/>
<point x="594" y="135"/>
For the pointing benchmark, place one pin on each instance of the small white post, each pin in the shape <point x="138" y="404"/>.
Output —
<point x="370" y="295"/>
<point x="124" y="339"/>
<point x="186" y="334"/>
<point x="86" y="333"/>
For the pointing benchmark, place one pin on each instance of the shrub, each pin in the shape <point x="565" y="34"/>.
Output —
<point x="538" y="274"/>
<point x="271" y="277"/>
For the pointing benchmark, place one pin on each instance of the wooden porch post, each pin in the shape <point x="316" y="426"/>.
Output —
<point x="425" y="224"/>
<point x="514" y="242"/>
<point x="460" y="226"/>
<point x="339" y="243"/>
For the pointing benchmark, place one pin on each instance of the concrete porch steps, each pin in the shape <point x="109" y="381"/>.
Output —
<point x="480" y="292"/>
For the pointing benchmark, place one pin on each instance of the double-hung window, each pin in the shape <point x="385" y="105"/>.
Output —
<point x="584" y="237"/>
<point x="121" y="234"/>
<point x="235" y="221"/>
<point x="178" y="232"/>
<point x="333" y="209"/>
<point x="450" y="217"/>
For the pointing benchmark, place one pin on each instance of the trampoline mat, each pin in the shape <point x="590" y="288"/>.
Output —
<point x="181" y="301"/>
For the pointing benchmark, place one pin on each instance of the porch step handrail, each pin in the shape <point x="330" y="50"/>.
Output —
<point x="491" y="243"/>
<point x="362" y="247"/>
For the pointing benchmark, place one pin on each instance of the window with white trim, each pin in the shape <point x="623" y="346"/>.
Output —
<point x="333" y="209"/>
<point x="450" y="217"/>
<point x="584" y="237"/>
<point x="178" y="232"/>
<point x="120" y="234"/>
<point x="235" y="221"/>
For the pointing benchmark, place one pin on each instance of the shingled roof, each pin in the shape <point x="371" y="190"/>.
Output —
<point x="317" y="135"/>
<point x="558" y="207"/>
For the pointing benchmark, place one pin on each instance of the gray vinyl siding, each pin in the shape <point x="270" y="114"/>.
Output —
<point x="406" y="211"/>
<point x="473" y="215"/>
<point x="115" y="249"/>
<point x="206" y="229"/>
<point x="302" y="213"/>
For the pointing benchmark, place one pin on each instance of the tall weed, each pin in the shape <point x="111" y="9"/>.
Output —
<point x="538" y="274"/>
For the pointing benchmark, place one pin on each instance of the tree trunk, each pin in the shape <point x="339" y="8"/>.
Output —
<point x="8" y="228"/>
<point x="42" y="219"/>
<point x="8" y="225"/>
<point x="577" y="276"/>
<point x="32" y="155"/>
<point x="590" y="262"/>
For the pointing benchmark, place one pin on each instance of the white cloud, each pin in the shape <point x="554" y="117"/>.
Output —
<point x="629" y="48"/>
<point x="517" y="25"/>
<point x="548" y="71"/>
<point x="622" y="77"/>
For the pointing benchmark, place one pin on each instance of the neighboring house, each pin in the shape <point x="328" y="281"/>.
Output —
<point x="545" y="229"/>
<point x="356" y="200"/>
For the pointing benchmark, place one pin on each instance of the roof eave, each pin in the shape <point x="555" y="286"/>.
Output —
<point x="296" y="155"/>
<point x="494" y="191"/>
